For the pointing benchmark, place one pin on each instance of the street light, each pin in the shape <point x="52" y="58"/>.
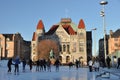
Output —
<point x="102" y="13"/>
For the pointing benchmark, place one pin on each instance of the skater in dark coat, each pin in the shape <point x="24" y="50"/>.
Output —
<point x="17" y="62"/>
<point x="30" y="64"/>
<point x="118" y="63"/>
<point x="49" y="65"/>
<point x="57" y="63"/>
<point x="108" y="60"/>
<point x="24" y="64"/>
<point x="37" y="65"/>
<point x="77" y="64"/>
<point x="9" y="64"/>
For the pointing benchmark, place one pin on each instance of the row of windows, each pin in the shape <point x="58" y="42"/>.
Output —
<point x="66" y="48"/>
<point x="116" y="39"/>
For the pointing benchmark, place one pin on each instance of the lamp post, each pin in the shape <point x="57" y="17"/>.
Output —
<point x="102" y="13"/>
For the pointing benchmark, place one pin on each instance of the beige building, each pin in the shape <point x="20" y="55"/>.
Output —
<point x="72" y="39"/>
<point x="114" y="43"/>
<point x="114" y="46"/>
<point x="10" y="45"/>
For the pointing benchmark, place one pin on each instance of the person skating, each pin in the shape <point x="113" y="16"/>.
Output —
<point x="90" y="65"/>
<point x="108" y="60"/>
<point x="49" y="65"/>
<point x="9" y="64"/>
<point x="23" y="64"/>
<point x="17" y="62"/>
<point x="118" y="63"/>
<point x="30" y="64"/>
<point x="57" y="63"/>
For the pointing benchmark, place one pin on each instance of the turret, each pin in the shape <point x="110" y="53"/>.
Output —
<point x="40" y="28"/>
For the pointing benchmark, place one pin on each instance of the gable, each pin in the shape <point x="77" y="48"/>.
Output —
<point x="61" y="32"/>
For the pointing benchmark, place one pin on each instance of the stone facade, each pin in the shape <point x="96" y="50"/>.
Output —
<point x="72" y="40"/>
<point x="12" y="45"/>
<point x="114" y="43"/>
<point x="26" y="50"/>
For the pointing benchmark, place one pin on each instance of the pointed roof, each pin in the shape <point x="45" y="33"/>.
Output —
<point x="52" y="30"/>
<point x="81" y="24"/>
<point x="34" y="36"/>
<point x="40" y="25"/>
<point x="69" y="29"/>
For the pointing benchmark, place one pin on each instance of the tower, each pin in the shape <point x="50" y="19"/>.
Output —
<point x="35" y="39"/>
<point x="81" y="33"/>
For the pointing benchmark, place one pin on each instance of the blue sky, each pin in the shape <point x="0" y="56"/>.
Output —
<point x="23" y="15"/>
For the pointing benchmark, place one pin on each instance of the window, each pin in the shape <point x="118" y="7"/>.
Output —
<point x="68" y="48"/>
<point x="116" y="45"/>
<point x="81" y="49"/>
<point x="74" y="47"/>
<point x="81" y="35"/>
<point x="115" y="39"/>
<point x="34" y="53"/>
<point x="33" y="45"/>
<point x="67" y="59"/>
<point x="81" y="44"/>
<point x="64" y="48"/>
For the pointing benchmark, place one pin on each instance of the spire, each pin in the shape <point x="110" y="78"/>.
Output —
<point x="81" y="24"/>
<point x="40" y="25"/>
<point x="33" y="38"/>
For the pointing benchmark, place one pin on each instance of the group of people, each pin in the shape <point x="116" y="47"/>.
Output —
<point x="95" y="64"/>
<point x="14" y="62"/>
<point x="41" y="65"/>
<point x="45" y="65"/>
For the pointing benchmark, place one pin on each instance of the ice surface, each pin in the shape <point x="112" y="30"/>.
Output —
<point x="63" y="74"/>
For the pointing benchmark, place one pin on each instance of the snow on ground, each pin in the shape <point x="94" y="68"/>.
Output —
<point x="63" y="74"/>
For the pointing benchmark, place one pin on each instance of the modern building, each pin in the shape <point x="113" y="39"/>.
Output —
<point x="74" y="41"/>
<point x="89" y="45"/>
<point x="101" y="47"/>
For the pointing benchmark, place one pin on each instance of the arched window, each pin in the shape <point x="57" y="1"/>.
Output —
<point x="67" y="59"/>
<point x="68" y="48"/>
<point x="64" y="48"/>
<point x="60" y="58"/>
